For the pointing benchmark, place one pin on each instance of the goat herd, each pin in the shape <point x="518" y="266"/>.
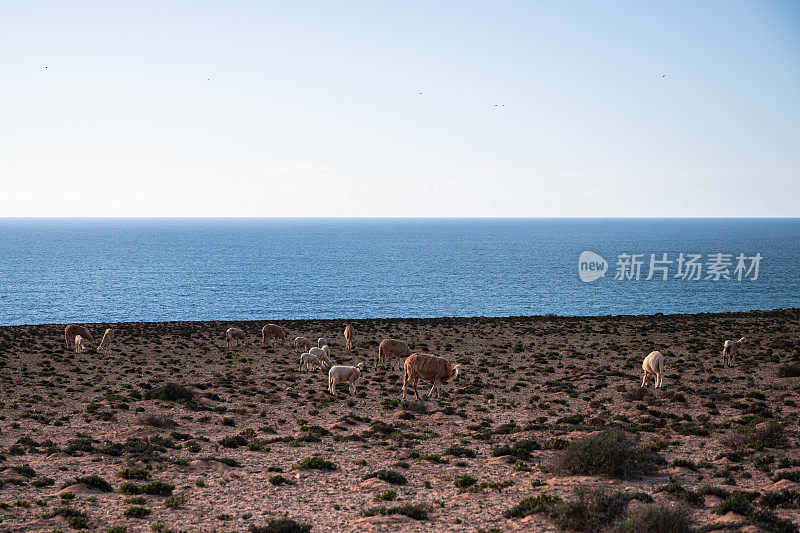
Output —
<point x="416" y="365"/>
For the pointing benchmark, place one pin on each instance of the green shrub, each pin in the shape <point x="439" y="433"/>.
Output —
<point x="769" y="521"/>
<point x="589" y="511"/>
<point x="609" y="453"/>
<point x="457" y="450"/>
<point x="532" y="505"/>
<point x="415" y="511"/>
<point x="227" y="461"/>
<point x="521" y="449"/>
<point x="129" y="487"/>
<point x="134" y="473"/>
<point x="136" y="511"/>
<point x="282" y="525"/>
<point x="95" y="482"/>
<point x="158" y="488"/>
<point x="315" y="463"/>
<point x="738" y="503"/>
<point x="787" y="499"/>
<point x="694" y="499"/>
<point x="788" y="371"/>
<point x="280" y="480"/>
<point x="174" y="503"/>
<point x="387" y="496"/>
<point x="757" y="437"/>
<point x="233" y="441"/>
<point x="464" y="482"/>
<point x="78" y="522"/>
<point x="171" y="392"/>
<point x="655" y="519"/>
<point x="389" y="476"/>
<point x="791" y="475"/>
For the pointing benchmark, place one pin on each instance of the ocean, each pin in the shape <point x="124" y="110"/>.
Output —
<point x="116" y="270"/>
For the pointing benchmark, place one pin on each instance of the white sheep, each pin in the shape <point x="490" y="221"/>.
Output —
<point x="302" y="343"/>
<point x="234" y="334"/>
<point x="308" y="359"/>
<point x="324" y="355"/>
<point x="321" y="342"/>
<point x="341" y="374"/>
<point x="105" y="344"/>
<point x="653" y="366"/>
<point x="430" y="368"/>
<point x="729" y="351"/>
<point x="81" y="344"/>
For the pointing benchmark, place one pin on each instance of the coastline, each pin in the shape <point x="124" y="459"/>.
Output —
<point x="434" y="320"/>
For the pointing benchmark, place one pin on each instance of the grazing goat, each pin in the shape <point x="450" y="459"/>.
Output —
<point x="81" y="344"/>
<point x="390" y="348"/>
<point x="341" y="374"/>
<point x="272" y="331"/>
<point x="729" y="351"/>
<point x="105" y="344"/>
<point x="324" y="355"/>
<point x="72" y="330"/>
<point x="321" y="342"/>
<point x="430" y="368"/>
<point x="653" y="366"/>
<point x="302" y="343"/>
<point x="234" y="334"/>
<point x="348" y="337"/>
<point x="308" y="359"/>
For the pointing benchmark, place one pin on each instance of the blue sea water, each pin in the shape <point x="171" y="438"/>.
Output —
<point x="111" y="270"/>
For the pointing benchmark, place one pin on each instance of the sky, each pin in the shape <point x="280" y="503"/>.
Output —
<point x="400" y="109"/>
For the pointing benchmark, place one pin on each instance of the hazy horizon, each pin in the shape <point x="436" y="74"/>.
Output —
<point x="410" y="110"/>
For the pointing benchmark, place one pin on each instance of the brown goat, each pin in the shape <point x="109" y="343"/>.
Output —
<point x="349" y="333"/>
<point x="105" y="344"/>
<point x="272" y="331"/>
<point x="430" y="368"/>
<point x="390" y="348"/>
<point x="72" y="330"/>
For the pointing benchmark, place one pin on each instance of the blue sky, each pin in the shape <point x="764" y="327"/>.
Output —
<point x="528" y="109"/>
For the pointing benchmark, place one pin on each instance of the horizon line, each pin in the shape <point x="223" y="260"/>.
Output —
<point x="171" y="217"/>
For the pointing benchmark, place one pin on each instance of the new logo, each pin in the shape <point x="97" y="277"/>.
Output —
<point x="591" y="266"/>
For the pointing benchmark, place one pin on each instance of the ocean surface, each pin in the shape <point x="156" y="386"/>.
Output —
<point x="111" y="270"/>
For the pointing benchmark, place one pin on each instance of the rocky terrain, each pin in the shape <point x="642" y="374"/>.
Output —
<point x="547" y="429"/>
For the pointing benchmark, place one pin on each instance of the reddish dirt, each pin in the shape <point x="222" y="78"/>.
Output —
<point x="550" y="380"/>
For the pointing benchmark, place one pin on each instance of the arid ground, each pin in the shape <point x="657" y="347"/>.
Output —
<point x="547" y="428"/>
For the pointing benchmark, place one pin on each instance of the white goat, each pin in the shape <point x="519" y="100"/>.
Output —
<point x="341" y="374"/>
<point x="653" y="366"/>
<point x="234" y="334"/>
<point x="302" y="343"/>
<point x="729" y="351"/>
<point x="321" y="342"/>
<point x="324" y="355"/>
<point x="81" y="344"/>
<point x="308" y="359"/>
